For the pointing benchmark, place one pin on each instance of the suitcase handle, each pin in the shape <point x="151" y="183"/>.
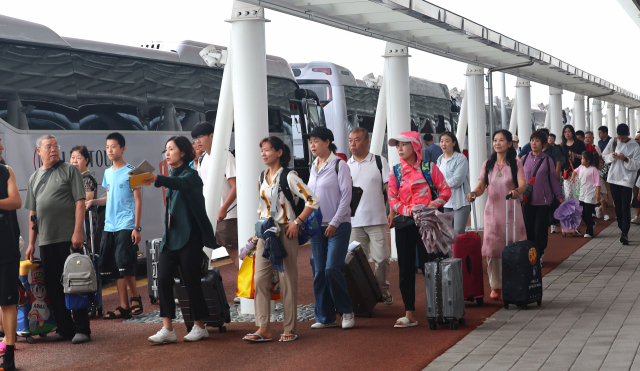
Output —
<point x="473" y="209"/>
<point x="514" y="218"/>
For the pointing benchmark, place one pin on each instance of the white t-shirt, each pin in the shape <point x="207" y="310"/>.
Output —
<point x="230" y="172"/>
<point x="589" y="179"/>
<point x="366" y="175"/>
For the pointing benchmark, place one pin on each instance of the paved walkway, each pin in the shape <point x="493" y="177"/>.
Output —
<point x="589" y="319"/>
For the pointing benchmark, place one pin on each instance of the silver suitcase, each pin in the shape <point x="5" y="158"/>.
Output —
<point x="152" y="253"/>
<point x="445" y="296"/>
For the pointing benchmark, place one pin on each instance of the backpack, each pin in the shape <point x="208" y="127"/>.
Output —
<point x="298" y="207"/>
<point x="79" y="276"/>
<point x="426" y="172"/>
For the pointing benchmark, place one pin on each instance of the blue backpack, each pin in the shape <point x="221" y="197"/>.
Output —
<point x="426" y="172"/>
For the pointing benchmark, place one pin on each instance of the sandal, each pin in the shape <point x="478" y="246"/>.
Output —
<point x="123" y="314"/>
<point x="3" y="348"/>
<point x="288" y="337"/>
<point x="405" y="322"/>
<point x="261" y="340"/>
<point x="137" y="309"/>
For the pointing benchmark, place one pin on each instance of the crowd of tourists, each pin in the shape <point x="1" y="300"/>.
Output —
<point x="577" y="167"/>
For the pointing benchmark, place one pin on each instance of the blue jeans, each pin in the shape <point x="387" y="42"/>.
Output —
<point x="329" y="285"/>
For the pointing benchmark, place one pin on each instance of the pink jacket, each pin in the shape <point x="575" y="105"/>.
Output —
<point x="414" y="189"/>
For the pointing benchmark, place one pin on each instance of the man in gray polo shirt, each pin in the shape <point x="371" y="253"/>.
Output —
<point x="369" y="226"/>
<point x="55" y="197"/>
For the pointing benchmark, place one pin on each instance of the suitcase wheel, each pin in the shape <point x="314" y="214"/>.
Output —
<point x="524" y="306"/>
<point x="480" y="302"/>
<point x="506" y="305"/>
<point x="30" y="339"/>
<point x="370" y="315"/>
<point x="462" y="321"/>
<point x="454" y="325"/>
<point x="539" y="302"/>
<point x="153" y="300"/>
<point x="433" y="326"/>
<point x="222" y="329"/>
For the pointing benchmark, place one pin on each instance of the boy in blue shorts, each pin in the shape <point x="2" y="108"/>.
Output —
<point x="119" y="250"/>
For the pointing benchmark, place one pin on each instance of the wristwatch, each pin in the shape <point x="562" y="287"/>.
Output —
<point x="139" y="229"/>
<point x="296" y="222"/>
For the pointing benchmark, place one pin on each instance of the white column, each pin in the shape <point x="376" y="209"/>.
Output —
<point x="463" y="120"/>
<point x="219" y="147"/>
<point x="622" y="115"/>
<point x="503" y="98"/>
<point x="251" y="125"/>
<point x="513" y="123"/>
<point x="578" y="119"/>
<point x="380" y="122"/>
<point x="611" y="119"/>
<point x="524" y="110"/>
<point x="637" y="119"/>
<point x="477" y="131"/>
<point x="555" y="111"/>
<point x="596" y="115"/>
<point x="632" y="122"/>
<point x="398" y="103"/>
<point x="547" y="116"/>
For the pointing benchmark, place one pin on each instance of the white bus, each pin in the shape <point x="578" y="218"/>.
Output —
<point x="80" y="91"/>
<point x="350" y="103"/>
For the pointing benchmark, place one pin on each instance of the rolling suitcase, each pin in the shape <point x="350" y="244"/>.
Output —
<point x="361" y="283"/>
<point x="153" y="253"/>
<point x="445" y="298"/>
<point x="214" y="296"/>
<point x="36" y="318"/>
<point x="468" y="248"/>
<point x="521" y="273"/>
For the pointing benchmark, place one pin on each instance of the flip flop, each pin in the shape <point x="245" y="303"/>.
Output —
<point x="3" y="348"/>
<point x="289" y="336"/>
<point x="261" y="340"/>
<point x="406" y="322"/>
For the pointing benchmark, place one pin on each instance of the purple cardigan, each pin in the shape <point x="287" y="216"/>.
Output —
<point x="542" y="190"/>
<point x="334" y="192"/>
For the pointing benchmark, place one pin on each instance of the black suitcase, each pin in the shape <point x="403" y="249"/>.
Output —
<point x="362" y="285"/>
<point x="152" y="254"/>
<point x="521" y="273"/>
<point x="214" y="296"/>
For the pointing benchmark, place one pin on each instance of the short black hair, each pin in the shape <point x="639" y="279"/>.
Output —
<point x="545" y="130"/>
<point x="604" y="129"/>
<point x="427" y="137"/>
<point x="202" y="128"/>
<point x="118" y="138"/>
<point x="540" y="135"/>
<point x="83" y="151"/>
<point x="552" y="135"/>
<point x="622" y="129"/>
<point x="580" y="133"/>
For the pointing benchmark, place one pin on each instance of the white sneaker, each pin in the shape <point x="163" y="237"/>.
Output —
<point x="164" y="336"/>
<point x="236" y="300"/>
<point x="635" y="220"/>
<point x="348" y="320"/>
<point x="586" y="235"/>
<point x="318" y="325"/>
<point x="606" y="218"/>
<point x="553" y="229"/>
<point x="598" y="214"/>
<point x="197" y="333"/>
<point x="387" y="299"/>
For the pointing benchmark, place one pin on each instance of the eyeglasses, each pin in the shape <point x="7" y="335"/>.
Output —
<point x="50" y="148"/>
<point x="199" y="138"/>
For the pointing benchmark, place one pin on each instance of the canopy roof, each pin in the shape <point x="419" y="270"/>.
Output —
<point x="424" y="26"/>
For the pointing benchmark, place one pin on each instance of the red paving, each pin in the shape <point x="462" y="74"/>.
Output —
<point x="374" y="344"/>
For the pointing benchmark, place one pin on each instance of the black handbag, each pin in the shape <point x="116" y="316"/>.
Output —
<point x="402" y="222"/>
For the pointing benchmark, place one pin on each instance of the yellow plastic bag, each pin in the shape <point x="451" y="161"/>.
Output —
<point x="246" y="286"/>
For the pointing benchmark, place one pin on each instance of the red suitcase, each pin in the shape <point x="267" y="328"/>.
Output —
<point x="468" y="248"/>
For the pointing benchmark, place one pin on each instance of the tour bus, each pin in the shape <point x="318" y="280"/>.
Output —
<point x="80" y="91"/>
<point x="350" y="103"/>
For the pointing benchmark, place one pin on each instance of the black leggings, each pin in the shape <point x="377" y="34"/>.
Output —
<point x="406" y="241"/>
<point x="587" y="216"/>
<point x="189" y="258"/>
<point x="536" y="221"/>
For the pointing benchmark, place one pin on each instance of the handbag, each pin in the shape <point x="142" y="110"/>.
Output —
<point x="274" y="201"/>
<point x="311" y="226"/>
<point x="528" y="193"/>
<point x="246" y="281"/>
<point x="402" y="222"/>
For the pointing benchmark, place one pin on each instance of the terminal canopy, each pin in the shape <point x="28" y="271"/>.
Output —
<point x="424" y="26"/>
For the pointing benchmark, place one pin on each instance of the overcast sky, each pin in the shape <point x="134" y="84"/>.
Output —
<point x="593" y="35"/>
